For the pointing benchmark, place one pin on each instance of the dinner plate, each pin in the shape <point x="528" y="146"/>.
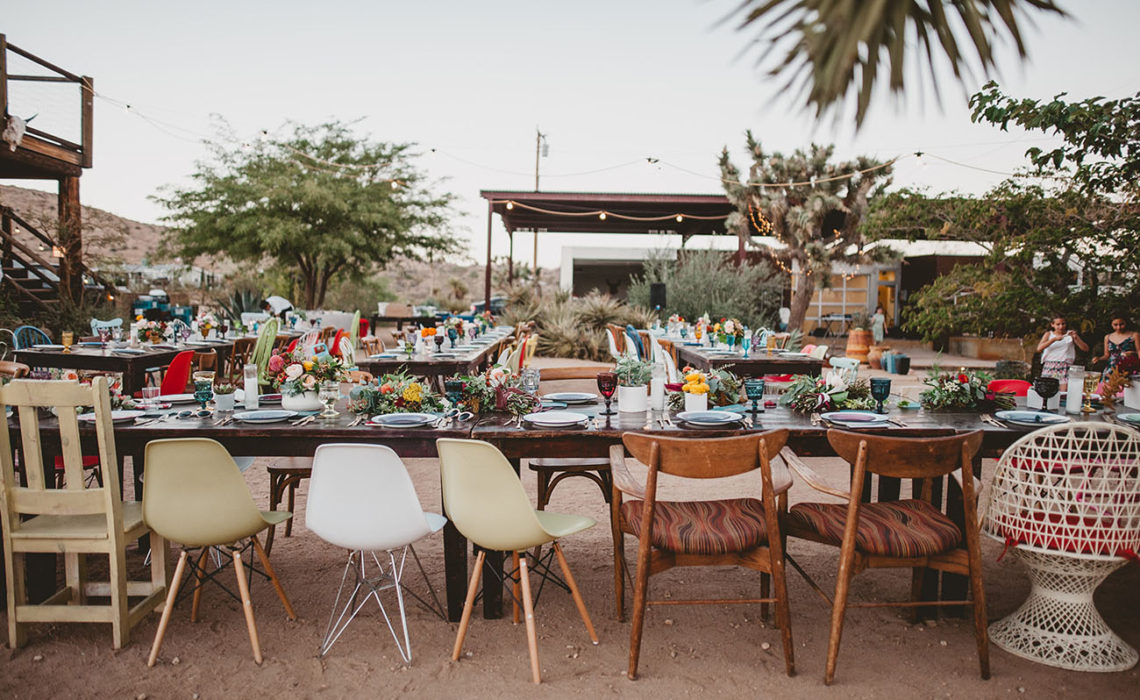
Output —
<point x="553" y="404"/>
<point x="178" y="398"/>
<point x="556" y="419"/>
<point x="129" y="351"/>
<point x="90" y="344"/>
<point x="855" y="417"/>
<point x="709" y="418"/>
<point x="1031" y="418"/>
<point x="571" y="397"/>
<point x="198" y="343"/>
<point x="404" y="420"/>
<point x="47" y="346"/>
<point x="1132" y="418"/>
<point x="383" y="356"/>
<point x="272" y="415"/>
<point x="122" y="416"/>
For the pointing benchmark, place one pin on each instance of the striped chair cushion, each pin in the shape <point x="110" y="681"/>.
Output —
<point x="893" y="529"/>
<point x="701" y="527"/>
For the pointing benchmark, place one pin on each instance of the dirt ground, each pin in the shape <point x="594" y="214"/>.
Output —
<point x="687" y="651"/>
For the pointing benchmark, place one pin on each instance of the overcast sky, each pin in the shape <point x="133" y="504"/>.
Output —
<point x="611" y="82"/>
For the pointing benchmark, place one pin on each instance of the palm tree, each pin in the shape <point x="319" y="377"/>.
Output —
<point x="837" y="45"/>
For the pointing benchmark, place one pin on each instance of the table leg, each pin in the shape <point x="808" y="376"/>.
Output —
<point x="454" y="570"/>
<point x="930" y="578"/>
<point x="492" y="586"/>
<point x="137" y="466"/>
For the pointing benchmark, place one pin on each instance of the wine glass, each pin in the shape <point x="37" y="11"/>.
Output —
<point x="1046" y="388"/>
<point x="731" y="340"/>
<point x="531" y="378"/>
<point x="184" y="331"/>
<point x="1092" y="380"/>
<point x="684" y="330"/>
<point x="454" y="390"/>
<point x="203" y="391"/>
<point x="754" y="390"/>
<point x="328" y="395"/>
<point x="104" y="336"/>
<point x="452" y="334"/>
<point x="880" y="391"/>
<point x="607" y="384"/>
<point x="439" y="342"/>
<point x="746" y="341"/>
<point x="66" y="338"/>
<point x="222" y="328"/>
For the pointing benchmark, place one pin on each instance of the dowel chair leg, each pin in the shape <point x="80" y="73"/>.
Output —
<point x="531" y="632"/>
<point x="167" y="609"/>
<point x="247" y="606"/>
<point x="472" y="589"/>
<point x="577" y="595"/>
<point x="264" y="557"/>
<point x="515" y="586"/>
<point x="199" y="580"/>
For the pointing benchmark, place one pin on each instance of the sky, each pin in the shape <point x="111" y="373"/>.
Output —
<point x="612" y="84"/>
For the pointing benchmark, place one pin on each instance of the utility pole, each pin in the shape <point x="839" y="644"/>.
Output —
<point x="541" y="148"/>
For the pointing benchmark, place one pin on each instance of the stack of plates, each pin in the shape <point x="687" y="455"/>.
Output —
<point x="556" y="419"/>
<point x="116" y="416"/>
<point x="1036" y="419"/>
<point x="710" y="419"/>
<point x="47" y="346"/>
<point x="129" y="351"/>
<point x="855" y="419"/>
<point x="272" y="415"/>
<point x="572" y="397"/>
<point x="404" y="420"/>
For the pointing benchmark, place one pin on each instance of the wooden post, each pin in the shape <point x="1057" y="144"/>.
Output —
<point x="3" y="79"/>
<point x="70" y="240"/>
<point x="510" y="256"/>
<point x="87" y="90"/>
<point x="487" y="274"/>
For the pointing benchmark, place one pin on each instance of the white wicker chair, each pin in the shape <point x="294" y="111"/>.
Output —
<point x="1067" y="499"/>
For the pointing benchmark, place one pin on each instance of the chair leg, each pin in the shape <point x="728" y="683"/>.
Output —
<point x="515" y="586"/>
<point x="199" y="579"/>
<point x="765" y="589"/>
<point x="120" y="607"/>
<point x="640" y="590"/>
<point x="264" y="557"/>
<point x="783" y="612"/>
<point x="247" y="606"/>
<point x="981" y="632"/>
<point x="17" y="595"/>
<point x="472" y="589"/>
<point x="275" y="487"/>
<point x="75" y="571"/>
<point x="292" y="506"/>
<point x="531" y="633"/>
<point x="167" y="609"/>
<point x="917" y="575"/>
<point x="619" y="567"/>
<point x="577" y="595"/>
<point x="839" y="609"/>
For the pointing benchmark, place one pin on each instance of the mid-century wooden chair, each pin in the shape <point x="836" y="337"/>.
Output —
<point x="239" y="358"/>
<point x="76" y="521"/>
<point x="731" y="532"/>
<point x="372" y="345"/>
<point x="909" y="533"/>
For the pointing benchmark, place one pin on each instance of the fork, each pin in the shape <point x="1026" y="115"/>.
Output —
<point x="899" y="423"/>
<point x="816" y="419"/>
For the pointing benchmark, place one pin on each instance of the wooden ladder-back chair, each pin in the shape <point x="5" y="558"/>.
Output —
<point x="75" y="521"/>
<point x="908" y="533"/>
<point x="239" y="357"/>
<point x="732" y="532"/>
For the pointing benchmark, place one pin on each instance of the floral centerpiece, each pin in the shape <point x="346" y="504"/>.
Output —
<point x="394" y="393"/>
<point x="676" y="318"/>
<point x="809" y="394"/>
<point x="1124" y="378"/>
<point x="298" y="377"/>
<point x="454" y="322"/>
<point x="731" y="327"/>
<point x="962" y="391"/>
<point x="206" y="321"/>
<point x="721" y="386"/>
<point x="497" y="389"/>
<point x="152" y="331"/>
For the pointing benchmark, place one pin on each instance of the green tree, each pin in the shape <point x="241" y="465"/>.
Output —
<point x="833" y="47"/>
<point x="813" y="208"/>
<point x="320" y="201"/>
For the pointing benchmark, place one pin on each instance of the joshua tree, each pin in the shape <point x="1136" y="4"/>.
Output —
<point x="813" y="209"/>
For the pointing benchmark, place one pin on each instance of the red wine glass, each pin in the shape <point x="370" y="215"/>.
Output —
<point x="607" y="384"/>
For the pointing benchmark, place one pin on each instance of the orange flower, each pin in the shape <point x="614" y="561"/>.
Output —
<point x="386" y="389"/>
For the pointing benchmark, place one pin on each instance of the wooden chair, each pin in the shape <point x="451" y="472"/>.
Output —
<point x="205" y="361"/>
<point x="359" y="376"/>
<point x="239" y="357"/>
<point x="76" y="521"/>
<point x="909" y="533"/>
<point x="372" y="345"/>
<point x="13" y="370"/>
<point x="733" y="532"/>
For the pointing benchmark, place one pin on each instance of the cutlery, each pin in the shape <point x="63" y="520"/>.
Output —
<point x="747" y="421"/>
<point x="667" y="421"/>
<point x="899" y="423"/>
<point x="357" y="421"/>
<point x="224" y="421"/>
<point x="306" y="420"/>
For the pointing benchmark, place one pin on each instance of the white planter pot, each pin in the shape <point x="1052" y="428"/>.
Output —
<point x="696" y="402"/>
<point x="1132" y="394"/>
<point x="633" y="399"/>
<point x="224" y="402"/>
<point x="307" y="401"/>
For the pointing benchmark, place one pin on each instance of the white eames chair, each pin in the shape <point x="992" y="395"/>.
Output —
<point x="362" y="499"/>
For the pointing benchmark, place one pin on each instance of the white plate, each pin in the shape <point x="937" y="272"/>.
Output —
<point x="572" y="397"/>
<point x="177" y="398"/>
<point x="129" y="351"/>
<point x="123" y="416"/>
<point x="383" y="356"/>
<point x="710" y="417"/>
<point x="272" y="415"/>
<point x="47" y="346"/>
<point x="1132" y="418"/>
<point x="1035" y="419"/>
<point x="404" y="420"/>
<point x="556" y="419"/>
<point x="855" y="418"/>
<point x="198" y="343"/>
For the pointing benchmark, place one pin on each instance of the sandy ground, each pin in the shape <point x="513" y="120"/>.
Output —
<point x="687" y="651"/>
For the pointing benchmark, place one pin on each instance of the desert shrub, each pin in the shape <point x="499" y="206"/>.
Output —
<point x="700" y="281"/>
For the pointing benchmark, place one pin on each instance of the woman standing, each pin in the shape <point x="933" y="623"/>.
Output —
<point x="1058" y="348"/>
<point x="1119" y="343"/>
<point x="879" y="324"/>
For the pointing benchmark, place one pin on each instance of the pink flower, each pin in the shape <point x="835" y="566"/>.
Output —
<point x="276" y="364"/>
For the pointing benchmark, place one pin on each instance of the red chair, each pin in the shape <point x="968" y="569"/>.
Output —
<point x="1017" y="387"/>
<point x="334" y="349"/>
<point x="177" y="374"/>
<point x="292" y="346"/>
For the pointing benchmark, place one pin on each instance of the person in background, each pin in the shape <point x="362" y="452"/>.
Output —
<point x="1118" y="344"/>
<point x="277" y="306"/>
<point x="1058" y="348"/>
<point x="785" y="316"/>
<point x="879" y="324"/>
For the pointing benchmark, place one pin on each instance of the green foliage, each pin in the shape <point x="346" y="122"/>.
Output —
<point x="320" y="200"/>
<point x="809" y="394"/>
<point x="817" y="223"/>
<point x="352" y="293"/>
<point x="700" y="281"/>
<point x="962" y="391"/>
<point x="835" y="47"/>
<point x="239" y="301"/>
<point x="1101" y="137"/>
<point x="571" y="327"/>
<point x="632" y="372"/>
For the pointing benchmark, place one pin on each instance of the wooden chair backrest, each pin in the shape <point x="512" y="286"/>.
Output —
<point x="67" y="398"/>
<point x="205" y="360"/>
<point x="705" y="458"/>
<point x="906" y="458"/>
<point x="239" y="357"/>
<point x="619" y="335"/>
<point x="372" y="345"/>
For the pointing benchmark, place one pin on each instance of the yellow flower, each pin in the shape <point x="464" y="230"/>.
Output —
<point x="694" y="377"/>
<point x="413" y="393"/>
<point x="139" y="317"/>
<point x="307" y="365"/>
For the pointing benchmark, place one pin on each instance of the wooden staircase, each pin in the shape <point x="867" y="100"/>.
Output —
<point x="32" y="272"/>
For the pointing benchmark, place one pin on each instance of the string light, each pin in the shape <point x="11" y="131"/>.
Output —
<point x="602" y="216"/>
<point x="510" y="205"/>
<point x="759" y="221"/>
<point x="680" y="218"/>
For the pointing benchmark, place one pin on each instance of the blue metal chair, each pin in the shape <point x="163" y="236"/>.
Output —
<point x="96" y="324"/>
<point x="27" y="336"/>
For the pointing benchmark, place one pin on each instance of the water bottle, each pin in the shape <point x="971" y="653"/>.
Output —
<point x="249" y="374"/>
<point x="657" y="388"/>
<point x="1073" y="389"/>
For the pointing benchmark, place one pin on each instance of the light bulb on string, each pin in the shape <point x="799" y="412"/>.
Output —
<point x="602" y="216"/>
<point x="510" y="205"/>
<point x="680" y="218"/>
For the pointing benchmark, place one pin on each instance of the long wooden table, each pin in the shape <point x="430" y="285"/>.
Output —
<point x="758" y="363"/>
<point x="132" y="366"/>
<point x="278" y="439"/>
<point x="436" y="365"/>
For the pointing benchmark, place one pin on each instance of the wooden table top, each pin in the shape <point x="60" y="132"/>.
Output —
<point x="758" y="363"/>
<point x="463" y="359"/>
